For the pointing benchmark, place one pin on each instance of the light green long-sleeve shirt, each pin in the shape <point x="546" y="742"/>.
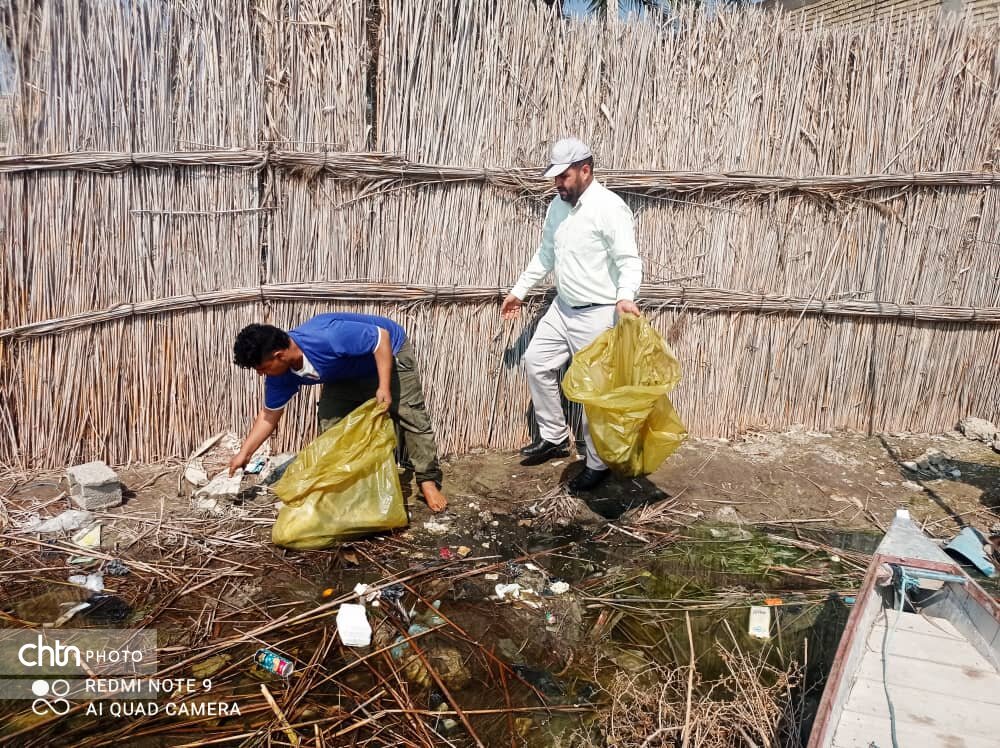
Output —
<point x="589" y="248"/>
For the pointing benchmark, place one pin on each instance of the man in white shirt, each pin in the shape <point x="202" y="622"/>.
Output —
<point x="588" y="244"/>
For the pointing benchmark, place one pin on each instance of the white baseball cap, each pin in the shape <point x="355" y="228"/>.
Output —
<point x="566" y="152"/>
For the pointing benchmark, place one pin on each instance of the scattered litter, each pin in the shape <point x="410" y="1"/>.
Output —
<point x="361" y="589"/>
<point x="911" y="486"/>
<point x="436" y="528"/>
<point x="513" y="591"/>
<point x="274" y="663"/>
<point x="393" y="596"/>
<point x="445" y="553"/>
<point x="353" y="626"/>
<point x="89" y="537"/>
<point x="81" y="560"/>
<point x="275" y="468"/>
<point x="212" y="455"/>
<point x="550" y="618"/>
<point x="65" y="617"/>
<point x="558" y="588"/>
<point x="491" y="577"/>
<point x="328" y="592"/>
<point x="93" y="582"/>
<point x="514" y="569"/>
<point x="971" y="545"/>
<point x="117" y="568"/>
<point x="255" y="466"/>
<point x="107" y="609"/>
<point x="485" y="545"/>
<point x="773" y="601"/>
<point x="760" y="622"/>
<point x="221" y="487"/>
<point x="463" y="551"/>
<point x="956" y="473"/>
<point x="195" y="475"/>
<point x="71" y="519"/>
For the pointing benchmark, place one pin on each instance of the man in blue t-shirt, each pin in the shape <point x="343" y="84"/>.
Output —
<point x="355" y="357"/>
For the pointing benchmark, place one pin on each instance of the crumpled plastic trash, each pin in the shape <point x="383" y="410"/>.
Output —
<point x="93" y="582"/>
<point x="89" y="537"/>
<point x="622" y="380"/>
<point x="503" y="591"/>
<point x="211" y="456"/>
<point x="71" y="519"/>
<point x="221" y="487"/>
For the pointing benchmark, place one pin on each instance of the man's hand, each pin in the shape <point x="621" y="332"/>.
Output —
<point x="627" y="307"/>
<point x="238" y="461"/>
<point x="510" y="307"/>
<point x="383" y="397"/>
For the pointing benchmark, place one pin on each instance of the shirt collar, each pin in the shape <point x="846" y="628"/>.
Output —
<point x="308" y="371"/>
<point x="587" y="194"/>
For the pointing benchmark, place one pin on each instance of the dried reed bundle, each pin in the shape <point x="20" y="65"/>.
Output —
<point x="559" y="508"/>
<point x="389" y="172"/>
<point x="695" y="298"/>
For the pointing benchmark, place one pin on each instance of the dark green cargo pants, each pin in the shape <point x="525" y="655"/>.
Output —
<point x="407" y="410"/>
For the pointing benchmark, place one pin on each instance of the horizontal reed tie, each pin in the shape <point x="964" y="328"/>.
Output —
<point x="697" y="298"/>
<point x="377" y="167"/>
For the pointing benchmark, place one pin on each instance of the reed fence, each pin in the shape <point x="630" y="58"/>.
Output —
<point x="817" y="208"/>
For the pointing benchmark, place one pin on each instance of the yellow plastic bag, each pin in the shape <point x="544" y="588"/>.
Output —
<point x="343" y="485"/>
<point x="622" y="380"/>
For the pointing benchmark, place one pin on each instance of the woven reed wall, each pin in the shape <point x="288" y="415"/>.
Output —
<point x="482" y="86"/>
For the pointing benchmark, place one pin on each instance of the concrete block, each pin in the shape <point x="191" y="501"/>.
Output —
<point x="94" y="486"/>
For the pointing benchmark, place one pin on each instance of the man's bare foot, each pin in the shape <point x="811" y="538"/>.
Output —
<point x="433" y="496"/>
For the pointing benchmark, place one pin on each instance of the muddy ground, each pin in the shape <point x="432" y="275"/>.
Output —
<point x="216" y="589"/>
<point x="844" y="480"/>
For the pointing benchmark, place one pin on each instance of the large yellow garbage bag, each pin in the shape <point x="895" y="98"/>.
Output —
<point x="343" y="485"/>
<point x="622" y="380"/>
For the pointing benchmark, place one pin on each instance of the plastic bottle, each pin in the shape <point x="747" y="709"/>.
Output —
<point x="353" y="626"/>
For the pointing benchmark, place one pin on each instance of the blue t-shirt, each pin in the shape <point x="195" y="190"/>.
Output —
<point x="339" y="346"/>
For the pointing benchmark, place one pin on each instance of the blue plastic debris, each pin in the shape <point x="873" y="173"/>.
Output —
<point x="969" y="544"/>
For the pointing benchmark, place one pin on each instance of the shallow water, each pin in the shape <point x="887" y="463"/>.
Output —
<point x="628" y="607"/>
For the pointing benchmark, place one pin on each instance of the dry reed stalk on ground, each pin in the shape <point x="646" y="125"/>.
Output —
<point x="203" y="560"/>
<point x="559" y="508"/>
<point x="651" y="708"/>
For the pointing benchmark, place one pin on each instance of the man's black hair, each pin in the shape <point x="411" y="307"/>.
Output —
<point x="256" y="343"/>
<point x="589" y="161"/>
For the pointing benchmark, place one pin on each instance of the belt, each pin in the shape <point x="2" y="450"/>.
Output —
<point x="589" y="306"/>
